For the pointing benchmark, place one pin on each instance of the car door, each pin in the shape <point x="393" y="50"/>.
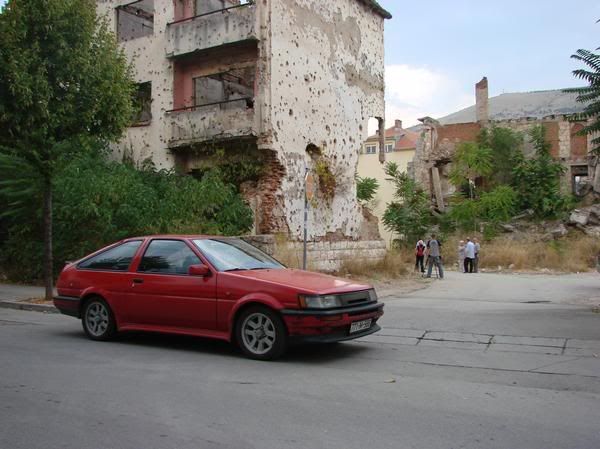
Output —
<point x="163" y="294"/>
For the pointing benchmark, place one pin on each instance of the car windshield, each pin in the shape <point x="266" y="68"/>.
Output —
<point x="235" y="254"/>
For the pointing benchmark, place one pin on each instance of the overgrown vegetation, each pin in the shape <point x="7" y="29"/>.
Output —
<point x="515" y="183"/>
<point x="327" y="181"/>
<point x="537" y="180"/>
<point x="98" y="201"/>
<point x="471" y="162"/>
<point x="409" y="215"/>
<point x="505" y="145"/>
<point x="63" y="81"/>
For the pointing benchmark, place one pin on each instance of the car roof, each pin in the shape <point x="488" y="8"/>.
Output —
<point x="178" y="236"/>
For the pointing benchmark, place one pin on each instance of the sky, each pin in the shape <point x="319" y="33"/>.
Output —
<point x="435" y="51"/>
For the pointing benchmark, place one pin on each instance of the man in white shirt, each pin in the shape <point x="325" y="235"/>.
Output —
<point x="469" y="255"/>
<point x="476" y="259"/>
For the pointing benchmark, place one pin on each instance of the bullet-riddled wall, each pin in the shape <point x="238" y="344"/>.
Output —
<point x="327" y="81"/>
<point x="319" y="77"/>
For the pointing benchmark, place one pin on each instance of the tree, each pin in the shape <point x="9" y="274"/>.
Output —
<point x="590" y="95"/>
<point x="63" y="83"/>
<point x="409" y="216"/>
<point x="537" y="180"/>
<point x="470" y="162"/>
<point x="505" y="144"/>
<point x="366" y="189"/>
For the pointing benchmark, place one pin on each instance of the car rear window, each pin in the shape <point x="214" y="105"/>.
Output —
<point x="117" y="258"/>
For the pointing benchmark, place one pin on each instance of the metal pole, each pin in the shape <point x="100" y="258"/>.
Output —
<point x="305" y="219"/>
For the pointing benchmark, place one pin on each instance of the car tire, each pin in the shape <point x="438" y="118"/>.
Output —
<point x="98" y="320"/>
<point x="261" y="333"/>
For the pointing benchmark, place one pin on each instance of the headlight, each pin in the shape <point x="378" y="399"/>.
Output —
<point x="319" y="302"/>
<point x="372" y="295"/>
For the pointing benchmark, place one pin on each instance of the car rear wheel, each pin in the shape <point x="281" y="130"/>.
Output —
<point x="261" y="333"/>
<point x="98" y="320"/>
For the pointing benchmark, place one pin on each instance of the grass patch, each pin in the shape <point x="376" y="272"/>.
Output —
<point x="575" y="253"/>
<point x="395" y="264"/>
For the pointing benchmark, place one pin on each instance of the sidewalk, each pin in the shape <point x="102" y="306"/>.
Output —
<point x="13" y="295"/>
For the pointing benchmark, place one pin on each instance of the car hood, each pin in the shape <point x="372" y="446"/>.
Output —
<point x="306" y="281"/>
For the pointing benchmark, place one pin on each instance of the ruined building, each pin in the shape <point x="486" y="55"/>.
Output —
<point x="517" y="111"/>
<point x="281" y="86"/>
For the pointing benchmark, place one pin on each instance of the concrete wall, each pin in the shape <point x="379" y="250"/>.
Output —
<point x="319" y="78"/>
<point x="369" y="166"/>
<point x="327" y="78"/>
<point x="326" y="256"/>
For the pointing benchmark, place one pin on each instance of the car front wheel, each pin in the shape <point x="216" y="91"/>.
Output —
<point x="97" y="319"/>
<point x="261" y="333"/>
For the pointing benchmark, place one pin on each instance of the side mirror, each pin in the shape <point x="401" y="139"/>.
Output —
<point x="198" y="270"/>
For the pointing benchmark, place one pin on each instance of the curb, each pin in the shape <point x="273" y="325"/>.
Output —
<point x="19" y="305"/>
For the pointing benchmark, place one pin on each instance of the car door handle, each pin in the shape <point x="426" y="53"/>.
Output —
<point x="138" y="281"/>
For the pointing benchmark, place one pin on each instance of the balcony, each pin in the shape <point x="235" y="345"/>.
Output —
<point x="212" y="122"/>
<point x="213" y="29"/>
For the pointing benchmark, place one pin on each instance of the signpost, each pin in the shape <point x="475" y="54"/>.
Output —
<point x="309" y="193"/>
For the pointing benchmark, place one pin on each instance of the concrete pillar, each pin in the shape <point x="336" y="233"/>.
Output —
<point x="481" y="101"/>
<point x="437" y="189"/>
<point x="381" y="139"/>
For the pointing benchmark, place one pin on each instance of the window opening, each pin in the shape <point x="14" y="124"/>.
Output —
<point x="142" y="103"/>
<point x="233" y="89"/>
<point x="135" y="20"/>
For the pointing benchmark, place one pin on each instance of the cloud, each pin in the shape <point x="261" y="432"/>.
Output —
<point x="415" y="92"/>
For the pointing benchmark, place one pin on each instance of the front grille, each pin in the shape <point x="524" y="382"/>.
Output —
<point x="355" y="298"/>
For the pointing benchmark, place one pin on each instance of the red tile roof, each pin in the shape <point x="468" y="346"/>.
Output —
<point x="407" y="141"/>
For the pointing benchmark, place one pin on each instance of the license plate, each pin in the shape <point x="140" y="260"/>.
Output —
<point x="358" y="326"/>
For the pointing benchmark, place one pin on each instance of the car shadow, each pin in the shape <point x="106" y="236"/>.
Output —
<point x="303" y="353"/>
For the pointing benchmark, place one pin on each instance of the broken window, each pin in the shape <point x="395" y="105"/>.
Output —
<point x="233" y="89"/>
<point x="580" y="179"/>
<point x="142" y="102"/>
<point x="202" y="7"/>
<point x="135" y="20"/>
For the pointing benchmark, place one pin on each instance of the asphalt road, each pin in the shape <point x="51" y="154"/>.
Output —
<point x="474" y="361"/>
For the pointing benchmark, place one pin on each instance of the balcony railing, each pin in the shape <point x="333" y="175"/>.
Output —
<point x="212" y="29"/>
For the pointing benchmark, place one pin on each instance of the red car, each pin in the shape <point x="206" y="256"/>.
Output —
<point x="216" y="287"/>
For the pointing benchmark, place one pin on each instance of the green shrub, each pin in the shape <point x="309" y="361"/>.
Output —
<point x="409" y="216"/>
<point x="366" y="189"/>
<point x="97" y="201"/>
<point x="537" y="180"/>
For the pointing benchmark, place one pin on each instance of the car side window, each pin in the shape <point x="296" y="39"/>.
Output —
<point x="168" y="257"/>
<point x="115" y="259"/>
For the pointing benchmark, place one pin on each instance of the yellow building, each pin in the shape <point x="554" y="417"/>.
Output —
<point x="400" y="147"/>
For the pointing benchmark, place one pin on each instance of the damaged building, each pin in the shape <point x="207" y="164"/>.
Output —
<point x="283" y="87"/>
<point x="517" y="111"/>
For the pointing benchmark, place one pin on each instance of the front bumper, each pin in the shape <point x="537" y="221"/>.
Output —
<point x="328" y="326"/>
<point x="68" y="305"/>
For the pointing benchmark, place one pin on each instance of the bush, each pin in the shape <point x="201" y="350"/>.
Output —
<point x="537" y="180"/>
<point x="97" y="202"/>
<point x="366" y="189"/>
<point x="409" y="216"/>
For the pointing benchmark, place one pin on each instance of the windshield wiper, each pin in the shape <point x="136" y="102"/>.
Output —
<point x="237" y="269"/>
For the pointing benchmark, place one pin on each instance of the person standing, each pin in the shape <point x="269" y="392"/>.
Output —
<point x="420" y="255"/>
<point x="469" y="255"/>
<point x="435" y="257"/>
<point x="476" y="259"/>
<point x="461" y="256"/>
